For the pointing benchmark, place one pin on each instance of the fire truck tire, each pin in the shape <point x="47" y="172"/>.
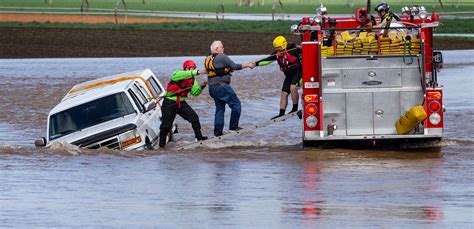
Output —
<point x="307" y="144"/>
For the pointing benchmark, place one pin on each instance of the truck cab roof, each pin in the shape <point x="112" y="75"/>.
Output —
<point x="94" y="89"/>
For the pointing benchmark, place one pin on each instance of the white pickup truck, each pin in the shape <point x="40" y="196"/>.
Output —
<point x="120" y="112"/>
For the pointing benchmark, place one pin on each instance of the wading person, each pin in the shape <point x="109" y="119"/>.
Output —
<point x="219" y="68"/>
<point x="182" y="82"/>
<point x="288" y="56"/>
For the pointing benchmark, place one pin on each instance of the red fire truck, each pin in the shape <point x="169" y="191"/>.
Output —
<point x="360" y="81"/>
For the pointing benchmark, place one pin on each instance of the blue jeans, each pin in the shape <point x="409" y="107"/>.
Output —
<point x="223" y="95"/>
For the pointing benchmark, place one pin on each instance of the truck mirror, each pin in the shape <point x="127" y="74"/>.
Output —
<point x="40" y="142"/>
<point x="438" y="57"/>
<point x="150" y="105"/>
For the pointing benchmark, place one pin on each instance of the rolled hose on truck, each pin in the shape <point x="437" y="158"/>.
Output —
<point x="410" y="119"/>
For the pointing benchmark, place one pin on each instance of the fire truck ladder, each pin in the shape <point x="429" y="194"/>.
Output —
<point x="234" y="133"/>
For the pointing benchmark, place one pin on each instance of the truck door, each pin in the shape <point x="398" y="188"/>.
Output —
<point x="148" y="121"/>
<point x="158" y="90"/>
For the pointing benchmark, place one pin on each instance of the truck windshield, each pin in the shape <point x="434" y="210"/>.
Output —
<point x="89" y="114"/>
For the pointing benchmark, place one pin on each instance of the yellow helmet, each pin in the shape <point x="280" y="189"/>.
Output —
<point x="280" y="42"/>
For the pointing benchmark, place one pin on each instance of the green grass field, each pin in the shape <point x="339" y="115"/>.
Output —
<point x="290" y="6"/>
<point x="232" y="6"/>
<point x="449" y="26"/>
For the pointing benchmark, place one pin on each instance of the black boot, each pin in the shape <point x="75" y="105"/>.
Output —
<point x="300" y="114"/>
<point x="199" y="136"/>
<point x="202" y="138"/>
<point x="295" y="108"/>
<point x="282" y="112"/>
<point x="162" y="142"/>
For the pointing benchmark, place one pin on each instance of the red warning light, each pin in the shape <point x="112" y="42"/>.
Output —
<point x="434" y="106"/>
<point x="311" y="109"/>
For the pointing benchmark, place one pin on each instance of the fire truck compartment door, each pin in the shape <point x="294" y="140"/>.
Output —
<point x="360" y="120"/>
<point x="372" y="112"/>
<point x="372" y="77"/>
<point x="335" y="112"/>
<point x="386" y="111"/>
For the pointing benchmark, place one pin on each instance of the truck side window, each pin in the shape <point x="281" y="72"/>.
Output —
<point x="136" y="101"/>
<point x="154" y="86"/>
<point x="140" y="94"/>
<point x="144" y="91"/>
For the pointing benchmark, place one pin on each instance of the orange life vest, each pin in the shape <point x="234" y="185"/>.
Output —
<point x="211" y="70"/>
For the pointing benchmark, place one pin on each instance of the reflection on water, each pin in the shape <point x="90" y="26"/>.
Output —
<point x="259" y="188"/>
<point x="264" y="179"/>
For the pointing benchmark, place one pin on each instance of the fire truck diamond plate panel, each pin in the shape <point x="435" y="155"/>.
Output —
<point x="335" y="112"/>
<point x="386" y="111"/>
<point x="359" y="113"/>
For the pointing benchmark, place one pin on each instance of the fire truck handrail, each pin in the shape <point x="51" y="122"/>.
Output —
<point x="310" y="27"/>
<point x="370" y="56"/>
<point x="432" y="24"/>
<point x="316" y="28"/>
<point x="371" y="89"/>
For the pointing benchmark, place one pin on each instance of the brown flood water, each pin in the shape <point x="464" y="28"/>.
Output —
<point x="261" y="180"/>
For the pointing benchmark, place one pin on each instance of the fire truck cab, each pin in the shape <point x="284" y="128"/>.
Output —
<point x="359" y="82"/>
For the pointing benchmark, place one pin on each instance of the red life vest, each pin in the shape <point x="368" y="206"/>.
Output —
<point x="180" y="88"/>
<point x="287" y="61"/>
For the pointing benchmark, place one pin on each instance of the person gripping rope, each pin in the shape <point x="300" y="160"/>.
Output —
<point x="288" y="56"/>
<point x="219" y="68"/>
<point x="182" y="82"/>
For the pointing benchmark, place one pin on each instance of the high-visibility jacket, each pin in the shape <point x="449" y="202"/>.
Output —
<point x="180" y="88"/>
<point x="181" y="83"/>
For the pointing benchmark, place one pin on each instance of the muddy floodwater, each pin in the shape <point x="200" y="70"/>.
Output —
<point x="264" y="179"/>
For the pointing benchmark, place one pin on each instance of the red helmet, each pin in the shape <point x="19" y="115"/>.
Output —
<point x="189" y="64"/>
<point x="361" y="16"/>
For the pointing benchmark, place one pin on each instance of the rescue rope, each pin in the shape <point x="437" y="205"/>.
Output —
<point x="276" y="54"/>
<point x="174" y="93"/>
<point x="284" y="51"/>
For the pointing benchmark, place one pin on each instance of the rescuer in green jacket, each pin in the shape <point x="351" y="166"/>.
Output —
<point x="182" y="82"/>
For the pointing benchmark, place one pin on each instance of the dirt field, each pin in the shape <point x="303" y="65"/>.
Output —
<point x="53" y="42"/>
<point x="60" y="43"/>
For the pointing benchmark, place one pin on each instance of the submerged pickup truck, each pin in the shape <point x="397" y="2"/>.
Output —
<point x="119" y="112"/>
